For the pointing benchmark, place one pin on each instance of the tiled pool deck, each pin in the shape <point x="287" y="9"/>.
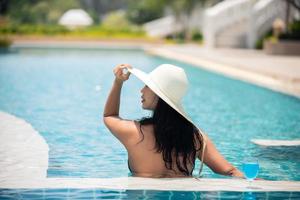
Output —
<point x="24" y="163"/>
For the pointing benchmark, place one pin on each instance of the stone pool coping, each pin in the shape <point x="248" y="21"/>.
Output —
<point x="167" y="184"/>
<point x="24" y="164"/>
<point x="23" y="151"/>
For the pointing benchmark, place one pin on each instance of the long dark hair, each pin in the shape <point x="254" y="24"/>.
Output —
<point x="174" y="135"/>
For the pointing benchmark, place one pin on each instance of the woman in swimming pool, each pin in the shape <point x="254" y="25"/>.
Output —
<point x="167" y="143"/>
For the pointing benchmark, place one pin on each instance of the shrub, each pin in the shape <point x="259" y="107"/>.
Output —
<point x="294" y="32"/>
<point x="116" y="20"/>
<point x="5" y="42"/>
<point x="260" y="41"/>
<point x="197" y="35"/>
<point x="109" y="30"/>
<point x="27" y="29"/>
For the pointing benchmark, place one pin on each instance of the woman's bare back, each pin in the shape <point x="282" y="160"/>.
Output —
<point x="145" y="161"/>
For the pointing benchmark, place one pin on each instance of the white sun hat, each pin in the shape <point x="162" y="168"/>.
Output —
<point x="170" y="83"/>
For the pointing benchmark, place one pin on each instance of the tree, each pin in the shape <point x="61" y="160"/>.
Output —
<point x="182" y="10"/>
<point x="295" y="4"/>
<point x="142" y="11"/>
<point x="38" y="11"/>
<point x="3" y="7"/>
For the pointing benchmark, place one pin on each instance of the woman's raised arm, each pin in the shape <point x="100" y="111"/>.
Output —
<point x="123" y="129"/>
<point x="112" y="105"/>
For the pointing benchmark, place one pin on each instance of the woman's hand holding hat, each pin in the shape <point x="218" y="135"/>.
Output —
<point x="121" y="72"/>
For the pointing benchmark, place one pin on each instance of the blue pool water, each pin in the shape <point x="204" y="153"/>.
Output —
<point x="36" y="194"/>
<point x="62" y="92"/>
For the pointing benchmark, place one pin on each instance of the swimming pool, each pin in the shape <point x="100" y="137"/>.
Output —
<point x="139" y="194"/>
<point x="62" y="92"/>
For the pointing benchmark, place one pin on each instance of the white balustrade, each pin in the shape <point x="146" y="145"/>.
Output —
<point x="234" y="19"/>
<point x="222" y="15"/>
<point x="259" y="16"/>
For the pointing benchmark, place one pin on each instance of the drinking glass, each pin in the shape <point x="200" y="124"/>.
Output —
<point x="250" y="169"/>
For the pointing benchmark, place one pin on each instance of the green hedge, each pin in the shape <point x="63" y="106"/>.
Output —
<point x="294" y="32"/>
<point x="56" y="30"/>
<point x="25" y="29"/>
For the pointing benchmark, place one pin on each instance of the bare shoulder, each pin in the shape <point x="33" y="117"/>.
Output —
<point x="123" y="129"/>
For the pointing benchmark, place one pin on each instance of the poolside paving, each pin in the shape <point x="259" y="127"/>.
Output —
<point x="24" y="163"/>
<point x="23" y="151"/>
<point x="279" y="73"/>
<point x="167" y="184"/>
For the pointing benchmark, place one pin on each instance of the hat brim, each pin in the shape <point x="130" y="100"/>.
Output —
<point x="144" y="77"/>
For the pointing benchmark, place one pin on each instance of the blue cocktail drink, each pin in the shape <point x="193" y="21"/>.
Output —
<point x="250" y="170"/>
